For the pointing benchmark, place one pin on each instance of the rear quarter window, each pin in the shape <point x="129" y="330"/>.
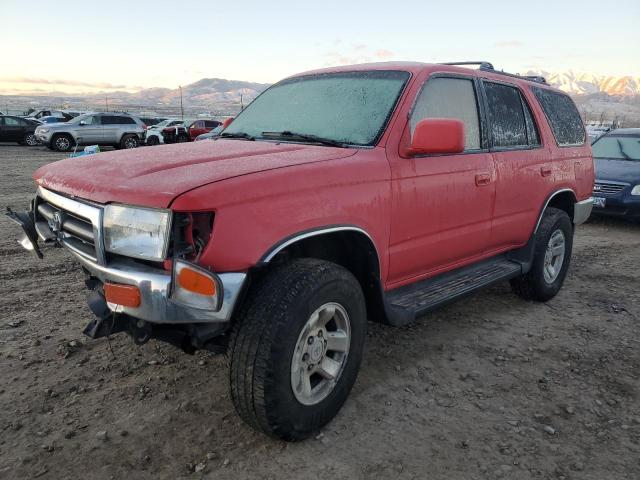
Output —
<point x="563" y="117"/>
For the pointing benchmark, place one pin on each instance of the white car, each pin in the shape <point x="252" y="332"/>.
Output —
<point x="154" y="132"/>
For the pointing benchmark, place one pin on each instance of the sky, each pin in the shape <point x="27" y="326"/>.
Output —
<point x="90" y="46"/>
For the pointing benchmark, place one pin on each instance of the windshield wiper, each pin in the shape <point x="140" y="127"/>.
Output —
<point x="244" y="135"/>
<point x="624" y="154"/>
<point x="305" y="136"/>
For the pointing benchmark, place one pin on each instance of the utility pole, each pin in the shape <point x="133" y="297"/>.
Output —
<point x="106" y="102"/>
<point x="241" y="103"/>
<point x="181" y="106"/>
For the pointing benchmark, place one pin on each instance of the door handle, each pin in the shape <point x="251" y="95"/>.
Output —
<point x="546" y="171"/>
<point x="483" y="179"/>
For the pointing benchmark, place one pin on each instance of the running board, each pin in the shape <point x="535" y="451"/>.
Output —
<point x="404" y="304"/>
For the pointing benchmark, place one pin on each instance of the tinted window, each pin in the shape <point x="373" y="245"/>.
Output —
<point x="91" y="120"/>
<point x="563" y="117"/>
<point x="450" y="98"/>
<point x="110" y="120"/>
<point x="211" y="123"/>
<point x="532" y="130"/>
<point x="11" y="122"/>
<point x="506" y="116"/>
<point x="619" y="147"/>
<point x="127" y="120"/>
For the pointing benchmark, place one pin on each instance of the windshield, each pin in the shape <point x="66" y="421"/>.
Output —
<point x="347" y="107"/>
<point x="163" y="123"/>
<point x="617" y="147"/>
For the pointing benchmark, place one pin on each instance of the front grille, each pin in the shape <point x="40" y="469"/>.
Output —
<point x="608" y="188"/>
<point x="74" y="224"/>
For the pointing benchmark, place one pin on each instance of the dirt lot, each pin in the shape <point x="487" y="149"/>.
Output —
<point x="491" y="387"/>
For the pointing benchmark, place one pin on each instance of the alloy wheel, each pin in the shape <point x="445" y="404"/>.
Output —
<point x="320" y="353"/>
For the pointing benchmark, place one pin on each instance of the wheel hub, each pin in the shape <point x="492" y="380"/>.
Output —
<point x="320" y="353"/>
<point x="554" y="256"/>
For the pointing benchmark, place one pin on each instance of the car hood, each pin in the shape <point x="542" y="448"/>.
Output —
<point x="154" y="176"/>
<point x="627" y="171"/>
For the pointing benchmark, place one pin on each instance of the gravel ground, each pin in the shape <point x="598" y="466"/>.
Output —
<point x="490" y="387"/>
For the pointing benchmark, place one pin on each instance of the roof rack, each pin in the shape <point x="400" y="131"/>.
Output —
<point x="488" y="67"/>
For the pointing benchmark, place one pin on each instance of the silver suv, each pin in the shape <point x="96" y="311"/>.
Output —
<point x="119" y="130"/>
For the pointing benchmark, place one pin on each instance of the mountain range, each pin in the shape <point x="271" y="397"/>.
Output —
<point x="583" y="83"/>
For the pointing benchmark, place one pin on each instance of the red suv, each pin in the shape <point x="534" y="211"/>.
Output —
<point x="362" y="192"/>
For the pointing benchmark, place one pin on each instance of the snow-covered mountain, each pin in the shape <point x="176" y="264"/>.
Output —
<point x="583" y="83"/>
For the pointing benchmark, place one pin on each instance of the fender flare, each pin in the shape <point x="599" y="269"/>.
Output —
<point x="314" y="232"/>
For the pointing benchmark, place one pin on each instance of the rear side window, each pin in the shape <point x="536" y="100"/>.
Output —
<point x="211" y="123"/>
<point x="506" y="115"/>
<point x="450" y="98"/>
<point x="563" y="117"/>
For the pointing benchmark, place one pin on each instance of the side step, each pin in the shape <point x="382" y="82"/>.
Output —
<point x="406" y="303"/>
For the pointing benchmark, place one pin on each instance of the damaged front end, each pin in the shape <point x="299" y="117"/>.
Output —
<point x="173" y="300"/>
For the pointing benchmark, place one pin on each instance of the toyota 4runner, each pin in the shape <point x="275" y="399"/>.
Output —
<point x="375" y="192"/>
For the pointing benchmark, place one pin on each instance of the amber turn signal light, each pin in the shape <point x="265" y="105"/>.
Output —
<point x="196" y="282"/>
<point x="125" y="295"/>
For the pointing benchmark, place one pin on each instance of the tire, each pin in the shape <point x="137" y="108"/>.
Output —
<point x="30" y="140"/>
<point x="129" y="141"/>
<point x="153" y="140"/>
<point x="271" y="327"/>
<point x="543" y="281"/>
<point x="62" y="142"/>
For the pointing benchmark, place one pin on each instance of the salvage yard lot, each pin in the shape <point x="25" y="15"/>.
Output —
<point x="488" y="387"/>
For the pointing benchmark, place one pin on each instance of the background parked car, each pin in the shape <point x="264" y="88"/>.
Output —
<point x="200" y="127"/>
<point x="120" y="130"/>
<point x="151" y="121"/>
<point x="155" y="134"/>
<point x="212" y="134"/>
<point x="51" y="119"/>
<point x="617" y="160"/>
<point x="62" y="115"/>
<point x="16" y="129"/>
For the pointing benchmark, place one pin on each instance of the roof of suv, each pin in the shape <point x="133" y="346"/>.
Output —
<point x="418" y="67"/>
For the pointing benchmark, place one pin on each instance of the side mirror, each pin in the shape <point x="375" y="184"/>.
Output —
<point x="82" y="123"/>
<point x="437" y="135"/>
<point x="227" y="122"/>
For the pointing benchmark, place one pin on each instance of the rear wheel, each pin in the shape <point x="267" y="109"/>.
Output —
<point x="296" y="348"/>
<point x="129" y="141"/>
<point x="62" y="142"/>
<point x="30" y="139"/>
<point x="153" y="140"/>
<point x="553" y="246"/>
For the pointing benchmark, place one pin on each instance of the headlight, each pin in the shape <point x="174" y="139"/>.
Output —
<point x="42" y="130"/>
<point x="635" y="190"/>
<point x="136" y="232"/>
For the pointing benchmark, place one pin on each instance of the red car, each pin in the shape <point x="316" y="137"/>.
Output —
<point x="370" y="192"/>
<point x="201" y="126"/>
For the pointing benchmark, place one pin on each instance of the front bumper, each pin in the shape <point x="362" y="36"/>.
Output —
<point x="621" y="205"/>
<point x="155" y="284"/>
<point x="44" y="138"/>
<point x="156" y="305"/>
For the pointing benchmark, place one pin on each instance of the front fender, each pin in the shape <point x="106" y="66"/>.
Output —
<point x="256" y="212"/>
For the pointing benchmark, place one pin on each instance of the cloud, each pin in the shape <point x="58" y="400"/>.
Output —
<point x="67" y="83"/>
<point x="508" y="44"/>
<point x="383" y="54"/>
<point x="358" y="53"/>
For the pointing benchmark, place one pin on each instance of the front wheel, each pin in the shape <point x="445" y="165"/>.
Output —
<point x="296" y="348"/>
<point x="553" y="246"/>
<point x="62" y="143"/>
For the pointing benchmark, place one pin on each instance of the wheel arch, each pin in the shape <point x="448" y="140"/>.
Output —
<point x="346" y="245"/>
<point x="563" y="199"/>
